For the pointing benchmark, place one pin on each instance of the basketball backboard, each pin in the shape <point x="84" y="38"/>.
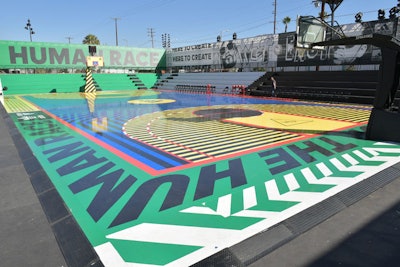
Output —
<point x="92" y="61"/>
<point x="309" y="30"/>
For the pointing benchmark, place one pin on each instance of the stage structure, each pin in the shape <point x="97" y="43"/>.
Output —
<point x="384" y="121"/>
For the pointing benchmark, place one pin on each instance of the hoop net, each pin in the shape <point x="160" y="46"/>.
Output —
<point x="300" y="51"/>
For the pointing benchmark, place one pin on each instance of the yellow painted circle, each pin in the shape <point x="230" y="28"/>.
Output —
<point x="152" y="101"/>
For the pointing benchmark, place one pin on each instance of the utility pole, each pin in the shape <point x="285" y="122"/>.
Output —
<point x="150" y="33"/>
<point x="274" y="12"/>
<point x="69" y="39"/>
<point x="116" y="30"/>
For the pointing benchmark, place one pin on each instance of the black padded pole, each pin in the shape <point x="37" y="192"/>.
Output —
<point x="389" y="73"/>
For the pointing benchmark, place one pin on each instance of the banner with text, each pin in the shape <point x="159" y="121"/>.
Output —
<point x="246" y="53"/>
<point x="14" y="54"/>
<point x="278" y="50"/>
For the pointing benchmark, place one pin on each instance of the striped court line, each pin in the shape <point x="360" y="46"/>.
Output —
<point x="196" y="138"/>
<point x="15" y="104"/>
<point x="196" y="141"/>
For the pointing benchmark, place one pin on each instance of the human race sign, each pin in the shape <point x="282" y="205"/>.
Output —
<point x="15" y="54"/>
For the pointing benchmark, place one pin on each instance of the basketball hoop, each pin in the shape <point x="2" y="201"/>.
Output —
<point x="309" y="30"/>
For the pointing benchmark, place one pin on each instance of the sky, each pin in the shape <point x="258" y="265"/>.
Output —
<point x="141" y="23"/>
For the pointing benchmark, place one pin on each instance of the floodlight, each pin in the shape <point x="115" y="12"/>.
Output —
<point x="393" y="12"/>
<point x="381" y="14"/>
<point x="358" y="17"/>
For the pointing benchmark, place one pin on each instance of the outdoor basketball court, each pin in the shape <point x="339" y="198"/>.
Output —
<point x="157" y="178"/>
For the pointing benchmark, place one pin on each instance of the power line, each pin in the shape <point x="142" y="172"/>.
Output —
<point x="274" y="12"/>
<point x="116" y="30"/>
<point x="150" y="33"/>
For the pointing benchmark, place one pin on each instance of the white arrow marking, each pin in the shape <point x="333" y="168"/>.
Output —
<point x="256" y="214"/>
<point x="175" y="234"/>
<point x="223" y="207"/>
<point x="324" y="169"/>
<point x="312" y="179"/>
<point x="291" y="181"/>
<point x="111" y="258"/>
<point x="249" y="197"/>
<point x="357" y="168"/>
<point x="350" y="159"/>
<point x="200" y="210"/>
<point x="374" y="151"/>
<point x="274" y="194"/>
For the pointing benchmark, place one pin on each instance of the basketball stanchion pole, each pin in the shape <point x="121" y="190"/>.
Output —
<point x="99" y="124"/>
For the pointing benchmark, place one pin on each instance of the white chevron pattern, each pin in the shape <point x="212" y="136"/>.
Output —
<point x="213" y="240"/>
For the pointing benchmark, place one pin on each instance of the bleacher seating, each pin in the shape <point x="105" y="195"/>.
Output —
<point x="333" y="86"/>
<point x="144" y="80"/>
<point x="74" y="82"/>
<point x="218" y="80"/>
<point x="114" y="81"/>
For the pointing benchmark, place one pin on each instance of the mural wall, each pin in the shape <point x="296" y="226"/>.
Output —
<point x="244" y="54"/>
<point x="278" y="50"/>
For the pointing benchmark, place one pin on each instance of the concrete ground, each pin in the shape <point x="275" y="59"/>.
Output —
<point x="26" y="235"/>
<point x="365" y="234"/>
<point x="36" y="227"/>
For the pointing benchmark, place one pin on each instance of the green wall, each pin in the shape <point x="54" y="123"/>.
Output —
<point x="67" y="83"/>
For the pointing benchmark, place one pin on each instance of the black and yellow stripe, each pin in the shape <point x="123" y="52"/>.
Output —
<point x="89" y="85"/>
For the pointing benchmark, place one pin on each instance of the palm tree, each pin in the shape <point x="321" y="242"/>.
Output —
<point x="286" y="21"/>
<point x="91" y="39"/>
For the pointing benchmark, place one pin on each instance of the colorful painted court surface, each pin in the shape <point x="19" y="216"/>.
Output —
<point x="168" y="179"/>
